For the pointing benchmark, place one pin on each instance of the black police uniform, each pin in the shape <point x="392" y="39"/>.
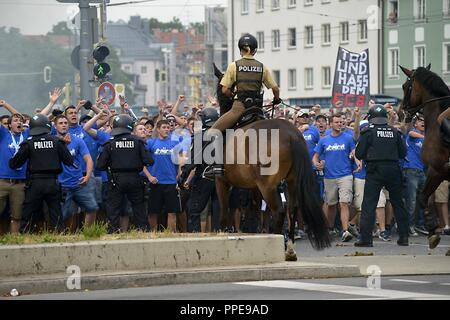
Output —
<point x="124" y="157"/>
<point x="44" y="153"/>
<point x="381" y="147"/>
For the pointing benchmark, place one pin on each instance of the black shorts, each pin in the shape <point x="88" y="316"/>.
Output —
<point x="163" y="196"/>
<point x="239" y="198"/>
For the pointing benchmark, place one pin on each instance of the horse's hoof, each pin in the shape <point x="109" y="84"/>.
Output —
<point x="433" y="241"/>
<point x="290" y="256"/>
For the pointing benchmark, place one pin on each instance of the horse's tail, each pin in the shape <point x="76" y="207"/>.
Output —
<point x="307" y="197"/>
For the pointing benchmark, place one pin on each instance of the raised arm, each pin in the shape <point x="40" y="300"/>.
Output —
<point x="8" y="107"/>
<point x="53" y="97"/>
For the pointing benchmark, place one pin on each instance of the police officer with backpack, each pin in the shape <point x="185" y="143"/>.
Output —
<point x="44" y="153"/>
<point x="243" y="81"/>
<point x="124" y="157"/>
<point x="381" y="147"/>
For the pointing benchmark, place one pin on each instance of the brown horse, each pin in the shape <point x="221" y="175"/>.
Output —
<point x="425" y="91"/>
<point x="294" y="167"/>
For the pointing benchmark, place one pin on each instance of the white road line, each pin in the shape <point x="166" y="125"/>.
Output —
<point x="445" y="284"/>
<point x="412" y="281"/>
<point x="348" y="290"/>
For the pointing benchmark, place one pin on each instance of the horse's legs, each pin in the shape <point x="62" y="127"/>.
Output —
<point x="222" y="188"/>
<point x="432" y="182"/>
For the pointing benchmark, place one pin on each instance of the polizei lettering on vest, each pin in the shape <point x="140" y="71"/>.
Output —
<point x="125" y="144"/>
<point x="43" y="144"/>
<point x="250" y="69"/>
<point x="385" y="134"/>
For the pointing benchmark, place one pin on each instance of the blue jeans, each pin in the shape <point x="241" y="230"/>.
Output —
<point x="79" y="196"/>
<point x="414" y="182"/>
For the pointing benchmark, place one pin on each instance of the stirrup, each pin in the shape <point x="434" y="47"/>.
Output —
<point x="212" y="171"/>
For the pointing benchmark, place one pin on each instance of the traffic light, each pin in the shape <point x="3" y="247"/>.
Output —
<point x="66" y="92"/>
<point x="101" y="68"/>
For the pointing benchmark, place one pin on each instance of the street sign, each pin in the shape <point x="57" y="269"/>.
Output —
<point x="47" y="74"/>
<point x="107" y="93"/>
<point x="120" y="91"/>
<point x="75" y="57"/>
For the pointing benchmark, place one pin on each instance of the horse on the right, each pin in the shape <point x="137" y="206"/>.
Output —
<point x="425" y="92"/>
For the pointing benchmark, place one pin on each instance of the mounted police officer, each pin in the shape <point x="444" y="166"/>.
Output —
<point x="381" y="147"/>
<point x="124" y="157"/>
<point x="201" y="189"/>
<point x="44" y="153"/>
<point x="243" y="81"/>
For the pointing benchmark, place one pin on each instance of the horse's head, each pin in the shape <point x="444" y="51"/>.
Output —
<point x="225" y="102"/>
<point x="413" y="91"/>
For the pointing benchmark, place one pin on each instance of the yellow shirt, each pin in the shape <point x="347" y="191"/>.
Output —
<point x="230" y="75"/>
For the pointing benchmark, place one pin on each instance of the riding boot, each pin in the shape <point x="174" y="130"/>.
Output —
<point x="213" y="170"/>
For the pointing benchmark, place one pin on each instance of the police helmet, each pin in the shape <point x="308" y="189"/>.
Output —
<point x="247" y="40"/>
<point x="39" y="124"/>
<point x="209" y="116"/>
<point x="378" y="115"/>
<point x="122" y="123"/>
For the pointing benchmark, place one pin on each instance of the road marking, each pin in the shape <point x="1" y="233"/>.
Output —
<point x="445" y="284"/>
<point x="412" y="281"/>
<point x="348" y="290"/>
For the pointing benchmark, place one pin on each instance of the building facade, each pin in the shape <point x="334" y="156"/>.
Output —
<point x="416" y="33"/>
<point x="299" y="39"/>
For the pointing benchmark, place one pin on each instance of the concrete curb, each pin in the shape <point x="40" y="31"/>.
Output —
<point x="146" y="254"/>
<point x="99" y="281"/>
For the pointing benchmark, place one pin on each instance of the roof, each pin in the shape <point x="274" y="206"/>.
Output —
<point x="131" y="42"/>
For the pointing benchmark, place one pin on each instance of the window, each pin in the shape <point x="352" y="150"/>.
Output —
<point x="292" y="79"/>
<point x="393" y="11"/>
<point x="309" y="78"/>
<point x="344" y="32"/>
<point x="275" y="39"/>
<point x="275" y="4"/>
<point x="446" y="8"/>
<point x="276" y="76"/>
<point x="292" y="3"/>
<point x="419" y="9"/>
<point x="259" y="5"/>
<point x="326" y="77"/>
<point x="326" y="1"/>
<point x="144" y="69"/>
<point x="393" y="62"/>
<point x="326" y="34"/>
<point x="292" y="41"/>
<point x="362" y="30"/>
<point x="244" y="6"/>
<point x="127" y="69"/>
<point x="260" y="38"/>
<point x="309" y="36"/>
<point x="308" y="2"/>
<point x="419" y="56"/>
<point x="446" y="57"/>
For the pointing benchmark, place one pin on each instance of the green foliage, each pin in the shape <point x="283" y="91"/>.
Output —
<point x="198" y="26"/>
<point x="60" y="29"/>
<point x="165" y="26"/>
<point x="95" y="231"/>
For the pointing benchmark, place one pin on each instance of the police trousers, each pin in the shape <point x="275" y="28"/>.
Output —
<point x="378" y="176"/>
<point x="38" y="191"/>
<point x="201" y="192"/>
<point x="230" y="118"/>
<point x="121" y="187"/>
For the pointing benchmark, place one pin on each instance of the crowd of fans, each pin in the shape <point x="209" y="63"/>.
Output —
<point x="331" y="136"/>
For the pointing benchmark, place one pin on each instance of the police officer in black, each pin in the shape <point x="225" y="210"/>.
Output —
<point x="381" y="147"/>
<point x="202" y="190"/>
<point x="124" y="157"/>
<point x="44" y="153"/>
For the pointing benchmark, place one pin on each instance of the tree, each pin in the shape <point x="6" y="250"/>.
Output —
<point x="198" y="26"/>
<point x="60" y="29"/>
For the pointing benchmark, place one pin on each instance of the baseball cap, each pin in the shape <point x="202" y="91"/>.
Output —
<point x="363" y="124"/>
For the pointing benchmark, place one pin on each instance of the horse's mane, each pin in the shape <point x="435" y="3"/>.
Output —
<point x="432" y="82"/>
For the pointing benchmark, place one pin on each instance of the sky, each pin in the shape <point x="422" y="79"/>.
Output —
<point x="35" y="17"/>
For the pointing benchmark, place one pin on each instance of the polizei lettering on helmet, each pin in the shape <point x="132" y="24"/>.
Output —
<point x="125" y="144"/>
<point x="250" y="69"/>
<point x="43" y="144"/>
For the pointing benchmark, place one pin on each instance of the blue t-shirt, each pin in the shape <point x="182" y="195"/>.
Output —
<point x="312" y="137"/>
<point x="414" y="147"/>
<point x="9" y="145"/>
<point x="70" y="177"/>
<point x="346" y="131"/>
<point x="101" y="139"/>
<point x="90" y="142"/>
<point x="165" y="153"/>
<point x="336" y="151"/>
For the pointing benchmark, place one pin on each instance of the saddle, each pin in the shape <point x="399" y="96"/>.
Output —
<point x="250" y="115"/>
